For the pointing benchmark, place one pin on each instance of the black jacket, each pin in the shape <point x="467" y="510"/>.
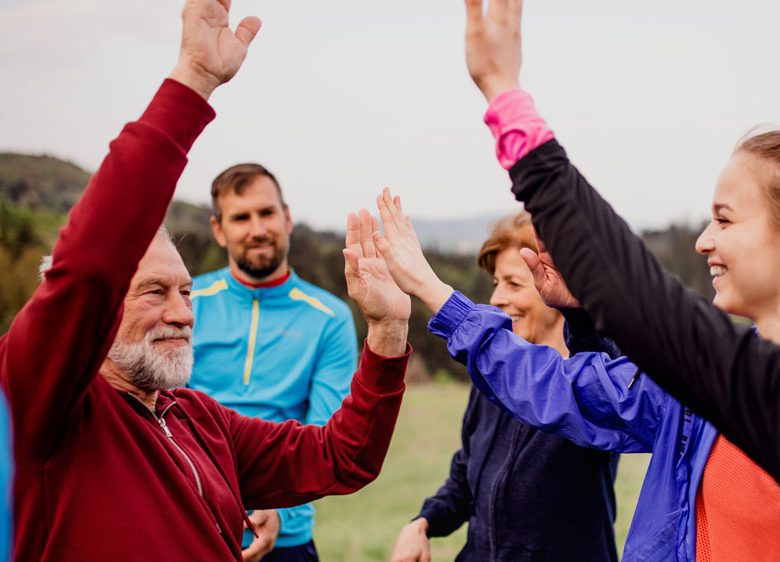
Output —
<point x="527" y="495"/>
<point x="725" y="372"/>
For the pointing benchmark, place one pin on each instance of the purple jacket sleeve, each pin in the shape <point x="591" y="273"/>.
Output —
<point x="584" y="399"/>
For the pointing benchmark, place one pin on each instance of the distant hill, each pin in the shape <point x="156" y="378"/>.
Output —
<point x="40" y="181"/>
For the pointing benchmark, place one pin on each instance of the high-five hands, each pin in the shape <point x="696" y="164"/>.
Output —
<point x="400" y="248"/>
<point x="384" y="305"/>
<point x="493" y="44"/>
<point x="210" y="53"/>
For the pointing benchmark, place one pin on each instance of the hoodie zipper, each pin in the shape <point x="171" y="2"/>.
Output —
<point x="166" y="430"/>
<point x="187" y="459"/>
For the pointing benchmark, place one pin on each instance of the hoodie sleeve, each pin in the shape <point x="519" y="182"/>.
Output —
<point x="56" y="344"/>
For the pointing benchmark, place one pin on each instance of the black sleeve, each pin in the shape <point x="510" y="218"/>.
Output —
<point x="581" y="335"/>
<point x="725" y="372"/>
<point x="453" y="503"/>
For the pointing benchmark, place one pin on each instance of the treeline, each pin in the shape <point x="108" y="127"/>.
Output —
<point x="35" y="193"/>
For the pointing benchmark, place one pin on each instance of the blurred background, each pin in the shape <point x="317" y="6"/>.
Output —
<point x="340" y="99"/>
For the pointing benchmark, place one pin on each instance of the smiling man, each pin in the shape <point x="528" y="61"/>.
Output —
<point x="114" y="460"/>
<point x="267" y="343"/>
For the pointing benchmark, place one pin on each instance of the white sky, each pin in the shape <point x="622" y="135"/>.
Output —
<point x="341" y="98"/>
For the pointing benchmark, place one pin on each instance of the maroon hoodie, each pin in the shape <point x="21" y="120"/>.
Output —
<point x="98" y="475"/>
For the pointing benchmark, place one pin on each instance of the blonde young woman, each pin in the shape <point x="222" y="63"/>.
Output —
<point x="703" y="497"/>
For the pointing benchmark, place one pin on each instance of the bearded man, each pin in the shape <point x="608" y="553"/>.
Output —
<point x="112" y="461"/>
<point x="268" y="343"/>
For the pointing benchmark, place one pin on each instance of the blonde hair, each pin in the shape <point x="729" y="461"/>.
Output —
<point x="763" y="141"/>
<point x="514" y="231"/>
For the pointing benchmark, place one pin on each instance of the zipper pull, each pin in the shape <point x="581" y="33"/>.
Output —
<point x="164" y="427"/>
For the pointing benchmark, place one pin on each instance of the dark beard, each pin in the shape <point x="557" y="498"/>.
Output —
<point x="264" y="268"/>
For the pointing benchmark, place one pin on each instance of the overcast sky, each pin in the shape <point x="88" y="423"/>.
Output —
<point x="340" y="98"/>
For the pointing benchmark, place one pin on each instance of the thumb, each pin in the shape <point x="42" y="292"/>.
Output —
<point x="382" y="245"/>
<point x="350" y="263"/>
<point x="247" y="29"/>
<point x="534" y="263"/>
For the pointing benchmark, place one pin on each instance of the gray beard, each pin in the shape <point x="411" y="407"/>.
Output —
<point x="149" y="370"/>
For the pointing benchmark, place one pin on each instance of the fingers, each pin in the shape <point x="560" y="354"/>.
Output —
<point x="392" y="214"/>
<point x="366" y="239"/>
<point x="383" y="247"/>
<point x="534" y="263"/>
<point x="474" y="11"/>
<point x="497" y="9"/>
<point x="247" y="29"/>
<point x="352" y="241"/>
<point x="350" y="264"/>
<point x="515" y="10"/>
<point x="254" y="552"/>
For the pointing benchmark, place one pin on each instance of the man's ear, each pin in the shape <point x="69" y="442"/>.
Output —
<point x="288" y="219"/>
<point x="216" y="230"/>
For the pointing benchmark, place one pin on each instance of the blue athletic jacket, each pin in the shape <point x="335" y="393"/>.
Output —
<point x="284" y="352"/>
<point x="6" y="480"/>
<point x="587" y="400"/>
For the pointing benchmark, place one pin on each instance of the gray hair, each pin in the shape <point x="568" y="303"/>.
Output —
<point x="47" y="262"/>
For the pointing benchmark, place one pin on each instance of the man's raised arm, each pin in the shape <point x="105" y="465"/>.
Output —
<point x="56" y="344"/>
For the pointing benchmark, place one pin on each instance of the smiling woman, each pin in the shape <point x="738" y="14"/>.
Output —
<point x="515" y="292"/>
<point x="512" y="483"/>
<point x="742" y="239"/>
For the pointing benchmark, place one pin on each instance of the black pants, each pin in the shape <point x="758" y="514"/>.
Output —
<point x="302" y="553"/>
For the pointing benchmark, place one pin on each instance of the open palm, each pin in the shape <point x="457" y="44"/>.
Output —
<point x="208" y="44"/>
<point x="369" y="283"/>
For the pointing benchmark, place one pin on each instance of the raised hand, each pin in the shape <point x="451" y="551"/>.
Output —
<point x="548" y="280"/>
<point x="401" y="249"/>
<point x="210" y="52"/>
<point x="384" y="305"/>
<point x="493" y="44"/>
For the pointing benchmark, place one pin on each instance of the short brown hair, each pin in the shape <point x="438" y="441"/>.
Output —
<point x="515" y="231"/>
<point x="235" y="180"/>
<point x="764" y="142"/>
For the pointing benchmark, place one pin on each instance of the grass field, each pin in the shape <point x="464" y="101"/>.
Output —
<point x="363" y="527"/>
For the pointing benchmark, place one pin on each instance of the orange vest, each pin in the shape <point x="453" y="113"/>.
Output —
<point x="737" y="509"/>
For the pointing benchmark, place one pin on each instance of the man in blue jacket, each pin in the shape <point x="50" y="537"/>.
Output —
<point x="268" y="343"/>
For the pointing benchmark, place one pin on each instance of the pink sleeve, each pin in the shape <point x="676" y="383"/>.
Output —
<point x="516" y="126"/>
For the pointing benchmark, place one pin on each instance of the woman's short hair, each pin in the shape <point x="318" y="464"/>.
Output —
<point x="514" y="231"/>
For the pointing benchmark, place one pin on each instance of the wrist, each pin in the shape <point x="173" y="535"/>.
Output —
<point x="421" y="524"/>
<point x="491" y="88"/>
<point x="200" y="82"/>
<point x="434" y="295"/>
<point x="387" y="337"/>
